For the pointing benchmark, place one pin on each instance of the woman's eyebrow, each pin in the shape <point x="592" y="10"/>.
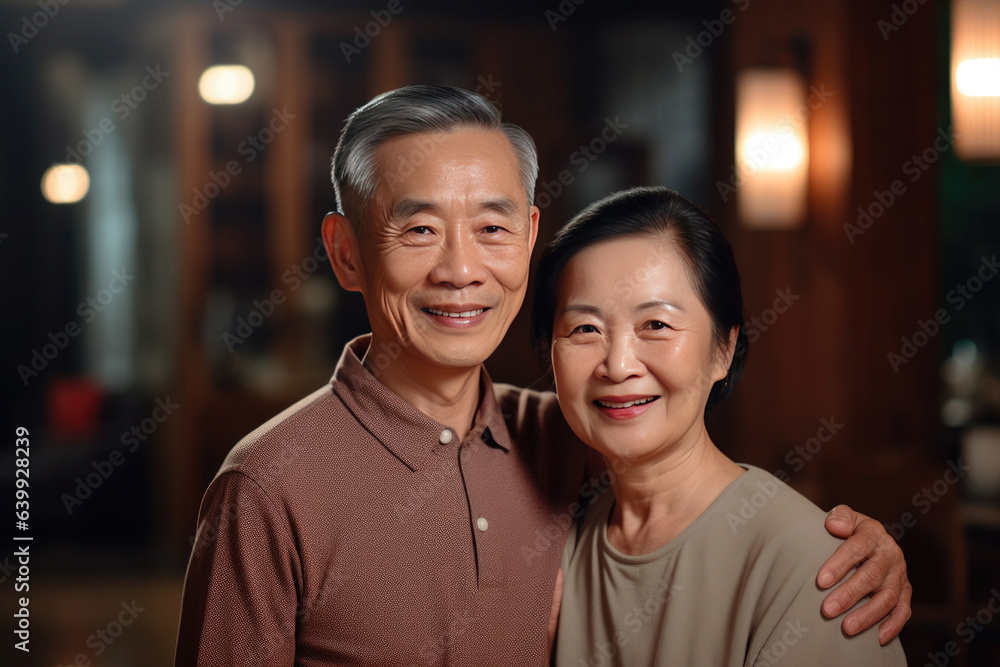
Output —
<point x="582" y="308"/>
<point x="658" y="304"/>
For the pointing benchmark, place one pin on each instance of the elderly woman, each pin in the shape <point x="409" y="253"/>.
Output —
<point x="693" y="559"/>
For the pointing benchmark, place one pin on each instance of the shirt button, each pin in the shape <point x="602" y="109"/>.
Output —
<point x="482" y="523"/>
<point x="446" y="437"/>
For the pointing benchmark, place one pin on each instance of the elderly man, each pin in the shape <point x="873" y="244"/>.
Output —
<point x="411" y="512"/>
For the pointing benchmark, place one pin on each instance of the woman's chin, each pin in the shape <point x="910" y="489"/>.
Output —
<point x="626" y="454"/>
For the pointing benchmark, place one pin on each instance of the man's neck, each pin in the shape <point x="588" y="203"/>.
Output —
<point x="447" y="395"/>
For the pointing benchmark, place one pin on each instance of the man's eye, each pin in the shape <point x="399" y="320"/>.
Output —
<point x="493" y="229"/>
<point x="420" y="230"/>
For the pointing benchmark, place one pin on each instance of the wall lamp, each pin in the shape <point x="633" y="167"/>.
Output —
<point x="975" y="78"/>
<point x="772" y="147"/>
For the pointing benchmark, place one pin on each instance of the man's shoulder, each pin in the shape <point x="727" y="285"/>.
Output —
<point x="287" y="435"/>
<point x="543" y="438"/>
<point x="534" y="417"/>
<point x="525" y="403"/>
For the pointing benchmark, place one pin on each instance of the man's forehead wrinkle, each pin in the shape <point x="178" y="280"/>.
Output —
<point x="407" y="207"/>
<point x="502" y="205"/>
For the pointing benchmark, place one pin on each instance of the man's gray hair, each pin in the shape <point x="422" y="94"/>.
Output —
<point x="414" y="110"/>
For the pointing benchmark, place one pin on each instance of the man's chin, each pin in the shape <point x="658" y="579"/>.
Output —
<point x="450" y="356"/>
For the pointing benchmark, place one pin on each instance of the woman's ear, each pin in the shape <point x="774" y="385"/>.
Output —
<point x="343" y="250"/>
<point x="725" y="357"/>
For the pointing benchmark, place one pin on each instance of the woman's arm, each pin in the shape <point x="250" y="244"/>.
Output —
<point x="801" y="635"/>
<point x="881" y="572"/>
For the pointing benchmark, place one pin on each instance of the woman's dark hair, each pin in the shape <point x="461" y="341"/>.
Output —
<point x="650" y="211"/>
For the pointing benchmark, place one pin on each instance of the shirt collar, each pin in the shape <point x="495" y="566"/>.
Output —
<point x="405" y="431"/>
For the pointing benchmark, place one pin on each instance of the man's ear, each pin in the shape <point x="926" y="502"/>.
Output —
<point x="343" y="250"/>
<point x="533" y="215"/>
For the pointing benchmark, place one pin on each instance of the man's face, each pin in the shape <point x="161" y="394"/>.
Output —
<point x="445" y="249"/>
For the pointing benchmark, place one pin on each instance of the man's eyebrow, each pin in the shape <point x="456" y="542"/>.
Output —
<point x="406" y="208"/>
<point x="503" y="206"/>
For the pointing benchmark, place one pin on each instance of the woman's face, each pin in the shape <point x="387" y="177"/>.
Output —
<point x="632" y="350"/>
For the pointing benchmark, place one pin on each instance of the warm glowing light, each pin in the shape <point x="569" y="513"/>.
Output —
<point x="65" y="183"/>
<point x="979" y="77"/>
<point x="772" y="148"/>
<point x="975" y="79"/>
<point x="226" y="84"/>
<point x="773" y="151"/>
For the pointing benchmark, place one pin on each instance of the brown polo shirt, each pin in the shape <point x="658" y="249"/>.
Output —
<point x="352" y="529"/>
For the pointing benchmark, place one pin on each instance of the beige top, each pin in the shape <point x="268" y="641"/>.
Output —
<point x="737" y="587"/>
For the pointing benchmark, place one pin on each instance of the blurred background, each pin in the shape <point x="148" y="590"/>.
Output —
<point x="165" y="168"/>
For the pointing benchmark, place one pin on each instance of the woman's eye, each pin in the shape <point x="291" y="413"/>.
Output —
<point x="656" y="325"/>
<point x="585" y="329"/>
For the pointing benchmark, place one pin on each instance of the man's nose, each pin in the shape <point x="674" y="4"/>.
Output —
<point x="459" y="264"/>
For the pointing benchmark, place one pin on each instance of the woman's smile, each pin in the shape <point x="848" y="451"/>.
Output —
<point x="624" y="407"/>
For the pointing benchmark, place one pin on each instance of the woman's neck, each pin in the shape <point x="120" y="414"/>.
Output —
<point x="656" y="501"/>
